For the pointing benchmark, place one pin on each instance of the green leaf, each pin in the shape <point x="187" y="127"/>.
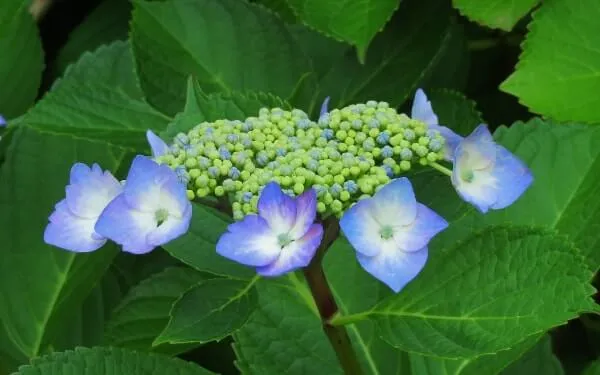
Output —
<point x="501" y="14"/>
<point x="210" y="311"/>
<point x="108" y="22"/>
<point x="455" y="111"/>
<point x="34" y="312"/>
<point x="233" y="106"/>
<point x="226" y="45"/>
<point x="109" y="361"/>
<point x="22" y="59"/>
<point x="417" y="42"/>
<point x="558" y="73"/>
<point x="280" y="7"/>
<point x="592" y="369"/>
<point x="144" y="312"/>
<point x="545" y="282"/>
<point x="284" y="335"/>
<point x="99" y="98"/>
<point x="197" y="247"/>
<point x="564" y="160"/>
<point x="353" y="22"/>
<point x="539" y="360"/>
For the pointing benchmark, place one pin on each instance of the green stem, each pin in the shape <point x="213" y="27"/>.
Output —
<point x="342" y="320"/>
<point x="441" y="168"/>
<point x="323" y="296"/>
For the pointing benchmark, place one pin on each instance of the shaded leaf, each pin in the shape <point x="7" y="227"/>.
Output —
<point x="501" y="14"/>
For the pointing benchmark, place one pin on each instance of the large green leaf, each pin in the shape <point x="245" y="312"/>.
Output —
<point x="558" y="73"/>
<point x="564" y="160"/>
<point x="109" y="361"/>
<point x="455" y="111"/>
<point x="210" y="311"/>
<point x="144" y="312"/>
<point x="284" y="335"/>
<point x="46" y="284"/>
<point x="508" y="283"/>
<point x="501" y="14"/>
<point x="99" y="98"/>
<point x="592" y="369"/>
<point x="539" y="360"/>
<point x="353" y="22"/>
<point x="418" y="41"/>
<point x="225" y="44"/>
<point x="108" y="22"/>
<point x="21" y="63"/>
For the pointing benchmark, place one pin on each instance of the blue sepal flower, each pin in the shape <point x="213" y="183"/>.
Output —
<point x="2" y="121"/>
<point x="72" y="223"/>
<point x="486" y="174"/>
<point x="281" y="238"/>
<point x="157" y="145"/>
<point x="390" y="233"/>
<point x="422" y="110"/>
<point x="324" y="107"/>
<point x="152" y="210"/>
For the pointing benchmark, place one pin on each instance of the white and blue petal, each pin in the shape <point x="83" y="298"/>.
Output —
<point x="361" y="227"/>
<point x="173" y="227"/>
<point x="296" y="255"/>
<point x="477" y="150"/>
<point x="324" y="106"/>
<point x="513" y="177"/>
<point x="126" y="226"/>
<point x="90" y="190"/>
<point x="71" y="232"/>
<point x="451" y="140"/>
<point x="395" y="203"/>
<point x="157" y="145"/>
<point x="277" y="208"/>
<point x="394" y="267"/>
<point x="422" y="110"/>
<point x="306" y="213"/>
<point x="250" y="242"/>
<point x="417" y="235"/>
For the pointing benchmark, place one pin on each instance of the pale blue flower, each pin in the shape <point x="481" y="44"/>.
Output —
<point x="157" y="145"/>
<point x="486" y="174"/>
<point x="324" y="107"/>
<point x="422" y="110"/>
<point x="390" y="233"/>
<point x="281" y="238"/>
<point x="152" y="210"/>
<point x="72" y="223"/>
<point x="2" y="121"/>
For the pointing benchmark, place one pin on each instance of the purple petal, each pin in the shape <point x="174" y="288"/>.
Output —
<point x="306" y="213"/>
<point x="250" y="242"/>
<point x="70" y="232"/>
<point x="395" y="204"/>
<point x="417" y="235"/>
<point x="151" y="187"/>
<point x="394" y="268"/>
<point x="90" y="191"/>
<point x="126" y="226"/>
<point x="422" y="110"/>
<point x="296" y="255"/>
<point x="325" y="106"/>
<point x="361" y="228"/>
<point x="157" y="145"/>
<point x="277" y="208"/>
<point x="2" y="121"/>
<point x="513" y="177"/>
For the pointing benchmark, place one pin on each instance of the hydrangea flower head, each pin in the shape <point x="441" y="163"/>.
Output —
<point x="281" y="238"/>
<point x="423" y="111"/>
<point x="72" y="223"/>
<point x="390" y="232"/>
<point x="152" y="210"/>
<point x="486" y="174"/>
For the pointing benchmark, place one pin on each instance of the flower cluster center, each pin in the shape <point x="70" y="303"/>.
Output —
<point x="161" y="215"/>
<point x="284" y="239"/>
<point x="386" y="232"/>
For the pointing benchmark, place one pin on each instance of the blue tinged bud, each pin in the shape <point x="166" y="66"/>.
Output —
<point x="335" y="190"/>
<point x="372" y="104"/>
<point x="303" y="123"/>
<point x="234" y="173"/>
<point x="351" y="186"/>
<point x="224" y="153"/>
<point x="327" y="134"/>
<point x="357" y="124"/>
<point x="387" y="152"/>
<point x="409" y="134"/>
<point x="373" y="124"/>
<point x="232" y="138"/>
<point x="213" y="172"/>
<point x="247" y="197"/>
<point x="383" y="137"/>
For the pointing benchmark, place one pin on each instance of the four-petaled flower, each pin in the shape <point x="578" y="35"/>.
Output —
<point x="280" y="239"/>
<point x="152" y="210"/>
<point x="72" y="223"/>
<point x="486" y="174"/>
<point x="390" y="233"/>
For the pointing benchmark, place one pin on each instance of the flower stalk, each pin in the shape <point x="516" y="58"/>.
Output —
<point x="326" y="305"/>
